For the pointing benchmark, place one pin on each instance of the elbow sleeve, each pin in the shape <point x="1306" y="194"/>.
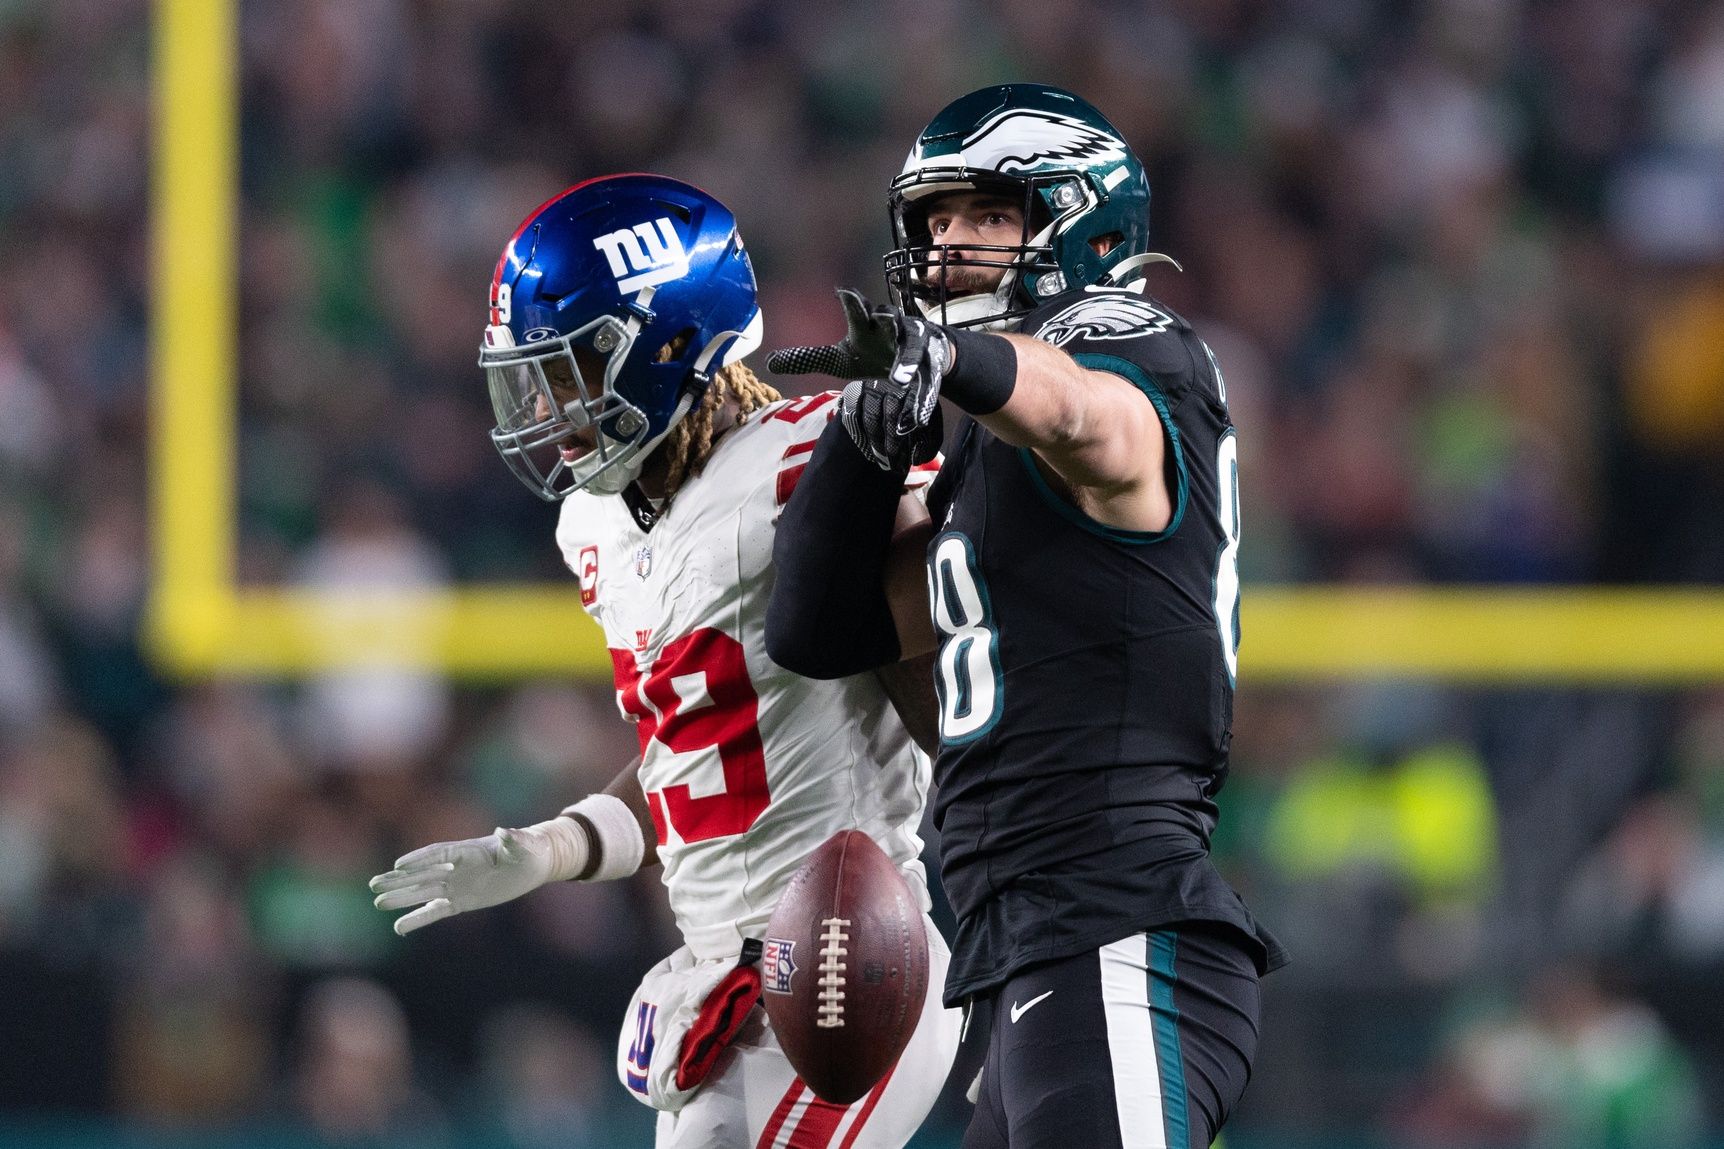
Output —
<point x="828" y="616"/>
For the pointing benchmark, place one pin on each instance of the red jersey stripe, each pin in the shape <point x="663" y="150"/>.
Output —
<point x="776" y="1121"/>
<point x="819" y="1122"/>
<point x="868" y="1105"/>
<point x="787" y="480"/>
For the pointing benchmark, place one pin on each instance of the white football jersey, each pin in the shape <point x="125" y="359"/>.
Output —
<point x="747" y="767"/>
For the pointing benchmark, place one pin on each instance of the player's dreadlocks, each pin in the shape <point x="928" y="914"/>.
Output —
<point x="689" y="442"/>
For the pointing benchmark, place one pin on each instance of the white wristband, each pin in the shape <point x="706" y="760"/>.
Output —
<point x="621" y="846"/>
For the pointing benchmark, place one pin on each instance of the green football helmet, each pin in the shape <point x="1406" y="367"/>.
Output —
<point x="1080" y="185"/>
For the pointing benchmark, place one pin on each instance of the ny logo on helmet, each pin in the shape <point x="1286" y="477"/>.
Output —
<point x="644" y="255"/>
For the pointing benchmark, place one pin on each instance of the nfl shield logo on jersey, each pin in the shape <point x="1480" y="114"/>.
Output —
<point x="777" y="967"/>
<point x="643" y="562"/>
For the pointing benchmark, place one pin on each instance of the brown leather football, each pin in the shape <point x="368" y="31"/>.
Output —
<point x="845" y="967"/>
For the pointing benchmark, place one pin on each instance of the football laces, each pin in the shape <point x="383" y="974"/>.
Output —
<point x="833" y="951"/>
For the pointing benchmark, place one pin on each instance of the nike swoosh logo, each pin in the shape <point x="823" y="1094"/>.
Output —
<point x="1019" y="1010"/>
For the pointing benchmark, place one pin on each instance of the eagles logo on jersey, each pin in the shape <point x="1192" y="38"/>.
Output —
<point x="1105" y="315"/>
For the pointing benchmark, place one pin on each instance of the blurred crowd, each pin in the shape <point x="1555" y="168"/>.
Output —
<point x="1462" y="262"/>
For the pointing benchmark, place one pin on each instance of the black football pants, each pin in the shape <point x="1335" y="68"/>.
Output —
<point x="1145" y="1043"/>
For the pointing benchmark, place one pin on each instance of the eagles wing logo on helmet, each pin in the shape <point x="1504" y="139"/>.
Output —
<point x="1021" y="139"/>
<point x="1105" y="316"/>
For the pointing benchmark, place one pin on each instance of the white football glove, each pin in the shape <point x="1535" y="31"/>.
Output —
<point x="450" y="878"/>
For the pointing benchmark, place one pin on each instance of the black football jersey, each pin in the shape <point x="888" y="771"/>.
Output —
<point x="1085" y="672"/>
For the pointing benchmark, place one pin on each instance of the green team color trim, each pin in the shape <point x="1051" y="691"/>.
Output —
<point x="1134" y="375"/>
<point x="1164" y="1020"/>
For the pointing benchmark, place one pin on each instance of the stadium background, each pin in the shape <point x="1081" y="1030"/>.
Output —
<point x="1461" y="260"/>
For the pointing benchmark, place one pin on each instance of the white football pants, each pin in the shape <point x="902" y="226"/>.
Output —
<point x="754" y="1100"/>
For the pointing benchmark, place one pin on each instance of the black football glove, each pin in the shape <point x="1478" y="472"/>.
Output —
<point x="882" y="342"/>
<point x="874" y="412"/>
<point x="869" y="348"/>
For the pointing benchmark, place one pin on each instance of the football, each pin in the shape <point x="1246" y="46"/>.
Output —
<point x="845" y="967"/>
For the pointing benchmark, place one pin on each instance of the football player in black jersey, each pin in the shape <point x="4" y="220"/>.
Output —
<point x="1081" y="574"/>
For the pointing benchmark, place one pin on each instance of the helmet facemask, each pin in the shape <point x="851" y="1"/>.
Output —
<point x="915" y="269"/>
<point x="543" y="399"/>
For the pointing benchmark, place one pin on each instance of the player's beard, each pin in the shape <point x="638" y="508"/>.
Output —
<point x="965" y="279"/>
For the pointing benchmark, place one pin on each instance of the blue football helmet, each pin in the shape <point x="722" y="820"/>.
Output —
<point x="611" y="307"/>
<point x="1081" y="187"/>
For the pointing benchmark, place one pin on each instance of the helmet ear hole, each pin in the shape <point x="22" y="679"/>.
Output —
<point x="914" y="222"/>
<point x="1102" y="244"/>
<point x="677" y="346"/>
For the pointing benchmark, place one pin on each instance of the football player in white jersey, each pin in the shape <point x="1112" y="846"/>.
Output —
<point x="620" y="313"/>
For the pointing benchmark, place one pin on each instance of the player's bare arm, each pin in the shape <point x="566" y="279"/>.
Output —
<point x="907" y="581"/>
<point x="1095" y="431"/>
<point x="626" y="788"/>
<point x="909" y="683"/>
